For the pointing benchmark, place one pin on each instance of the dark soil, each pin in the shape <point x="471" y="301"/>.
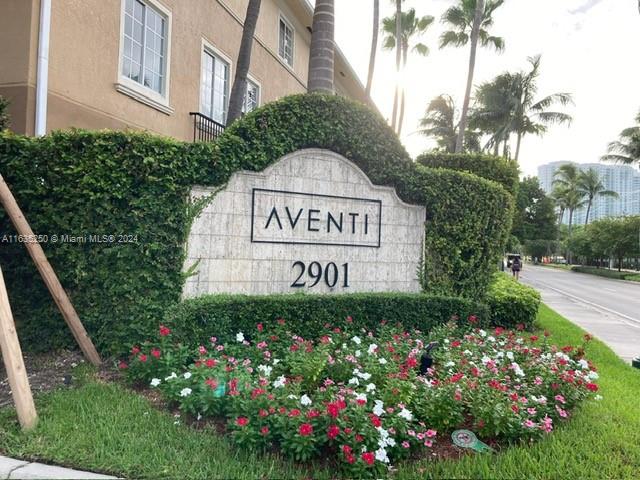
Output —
<point x="46" y="371"/>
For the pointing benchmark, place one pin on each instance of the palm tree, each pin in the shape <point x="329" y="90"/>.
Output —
<point x="627" y="148"/>
<point x="239" y="89"/>
<point x="590" y="184"/>
<point x="439" y="122"/>
<point x="567" y="183"/>
<point x="322" y="48"/>
<point x="533" y="116"/>
<point x="507" y="105"/>
<point x="470" y="20"/>
<point x="394" y="114"/>
<point x="411" y="26"/>
<point x="374" y="45"/>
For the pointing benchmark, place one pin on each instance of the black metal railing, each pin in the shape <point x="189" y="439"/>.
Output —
<point x="205" y="129"/>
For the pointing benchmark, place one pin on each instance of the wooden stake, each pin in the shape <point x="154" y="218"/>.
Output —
<point x="14" y="364"/>
<point x="48" y="275"/>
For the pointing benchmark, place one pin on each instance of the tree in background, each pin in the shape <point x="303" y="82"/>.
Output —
<point x="396" y="95"/>
<point x="440" y="122"/>
<point x="627" y="148"/>
<point x="609" y="238"/>
<point x="374" y="46"/>
<point x="470" y="21"/>
<point x="535" y="217"/>
<point x="322" y="49"/>
<point x="411" y="27"/>
<point x="567" y="191"/>
<point x="590" y="184"/>
<point x="508" y="105"/>
<point x="4" y="115"/>
<point x="239" y="89"/>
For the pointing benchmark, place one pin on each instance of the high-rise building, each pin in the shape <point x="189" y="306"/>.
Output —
<point x="622" y="179"/>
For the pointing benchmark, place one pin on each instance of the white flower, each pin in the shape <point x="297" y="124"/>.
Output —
<point x="364" y="375"/>
<point x="185" y="392"/>
<point x="372" y="348"/>
<point x="468" y="353"/>
<point x="240" y="337"/>
<point x="485" y="360"/>
<point x="187" y="375"/>
<point x="155" y="382"/>
<point x="406" y="414"/>
<point x="292" y="397"/>
<point x="510" y="355"/>
<point x="381" y="455"/>
<point x="171" y="377"/>
<point x="516" y="368"/>
<point x="378" y="408"/>
<point x="482" y="333"/>
<point x="371" y="387"/>
<point x="583" y="363"/>
<point x="305" y="400"/>
<point x="449" y="364"/>
<point x="382" y="361"/>
<point x="354" y="381"/>
<point x="598" y="397"/>
<point x="356" y="340"/>
<point x="446" y="340"/>
<point x="265" y="369"/>
<point x="358" y="353"/>
<point x="500" y="354"/>
<point x="593" y="375"/>
<point x="344" y="346"/>
<point x="491" y="339"/>
<point x="276" y="361"/>
<point x="279" y="382"/>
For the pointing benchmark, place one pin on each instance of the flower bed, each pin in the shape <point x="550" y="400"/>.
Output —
<point x="360" y="399"/>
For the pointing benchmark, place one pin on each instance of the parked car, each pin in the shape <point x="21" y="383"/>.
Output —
<point x="508" y="260"/>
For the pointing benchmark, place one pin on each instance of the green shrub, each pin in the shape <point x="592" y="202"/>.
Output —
<point x="498" y="169"/>
<point x="512" y="303"/>
<point x="608" y="273"/>
<point x="225" y="315"/>
<point x="123" y="183"/>
<point x="5" y="122"/>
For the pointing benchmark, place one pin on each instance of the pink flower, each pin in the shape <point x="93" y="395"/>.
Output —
<point x="529" y="424"/>
<point x="155" y="353"/>
<point x="431" y="433"/>
<point x="202" y="350"/>
<point x="560" y="399"/>
<point x="538" y="381"/>
<point x="122" y="365"/>
<point x="561" y="412"/>
<point x="428" y="443"/>
<point x="264" y="430"/>
<point x="260" y="327"/>
<point x="405" y="444"/>
<point x="531" y="411"/>
<point x="457" y="396"/>
<point x="220" y="348"/>
<point x="164" y="331"/>
<point x="242" y="421"/>
<point x="262" y="345"/>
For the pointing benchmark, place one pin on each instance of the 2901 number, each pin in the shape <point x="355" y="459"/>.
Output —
<point x="317" y="272"/>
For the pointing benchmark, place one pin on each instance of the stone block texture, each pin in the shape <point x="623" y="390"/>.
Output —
<point x="311" y="222"/>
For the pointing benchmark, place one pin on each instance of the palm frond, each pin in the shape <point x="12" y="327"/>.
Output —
<point x="456" y="39"/>
<point x="611" y="157"/>
<point x="563" y="99"/>
<point x="421" y="49"/>
<point x="554" y="118"/>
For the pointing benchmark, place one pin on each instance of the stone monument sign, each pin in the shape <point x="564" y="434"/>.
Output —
<point x="312" y="222"/>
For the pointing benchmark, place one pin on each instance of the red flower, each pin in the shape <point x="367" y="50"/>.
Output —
<point x="264" y="430"/>
<point x="294" y="348"/>
<point x="294" y="412"/>
<point x="256" y="392"/>
<point x="333" y="431"/>
<point x="210" y="362"/>
<point x="333" y="410"/>
<point x="341" y="404"/>
<point x="164" y="331"/>
<point x="280" y="321"/>
<point x="520" y="326"/>
<point x="122" y="365"/>
<point x="142" y="358"/>
<point x="456" y="343"/>
<point x="325" y="339"/>
<point x="515" y="408"/>
<point x="260" y="327"/>
<point x="456" y="378"/>
<point x="533" y="338"/>
<point x="242" y="421"/>
<point x="155" y="352"/>
<point x="359" y="438"/>
<point x="592" y="386"/>
<point x="375" y="420"/>
<point x="349" y="319"/>
<point x="473" y="319"/>
<point x="412" y="362"/>
<point x="212" y="383"/>
<point x="368" y="458"/>
<point x="567" y="349"/>
<point x="305" y="429"/>
<point x="135" y="350"/>
<point x="499" y="330"/>
<point x="313" y="414"/>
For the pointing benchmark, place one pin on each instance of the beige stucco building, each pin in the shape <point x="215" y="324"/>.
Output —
<point x="147" y="64"/>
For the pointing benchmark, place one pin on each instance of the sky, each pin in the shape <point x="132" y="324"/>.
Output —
<point x="589" y="48"/>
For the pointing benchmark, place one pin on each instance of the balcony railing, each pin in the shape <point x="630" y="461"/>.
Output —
<point x="205" y="129"/>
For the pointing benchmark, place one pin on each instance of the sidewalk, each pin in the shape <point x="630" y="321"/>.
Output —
<point x="19" y="469"/>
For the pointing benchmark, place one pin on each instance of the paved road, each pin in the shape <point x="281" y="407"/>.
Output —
<point x="609" y="309"/>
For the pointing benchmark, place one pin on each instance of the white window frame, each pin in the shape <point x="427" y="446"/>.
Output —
<point x="207" y="48"/>
<point x="252" y="79"/>
<point x="288" y="23"/>
<point x="135" y="90"/>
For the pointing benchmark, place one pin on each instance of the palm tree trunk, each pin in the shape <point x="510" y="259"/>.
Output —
<point x="518" y="146"/>
<point x="570" y="225"/>
<point x="374" y="45"/>
<point x="586" y="220"/>
<point x="321" y="67"/>
<point x="239" y="89"/>
<point x="398" y="62"/>
<point x="475" y="32"/>
<point x="405" y="52"/>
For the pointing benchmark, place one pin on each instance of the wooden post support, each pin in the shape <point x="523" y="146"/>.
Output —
<point x="14" y="364"/>
<point x="48" y="275"/>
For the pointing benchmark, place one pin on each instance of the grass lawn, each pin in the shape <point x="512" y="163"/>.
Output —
<point x="106" y="428"/>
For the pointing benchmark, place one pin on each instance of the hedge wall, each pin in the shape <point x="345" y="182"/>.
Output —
<point x="226" y="315"/>
<point x="512" y="303"/>
<point x="498" y="169"/>
<point x="117" y="183"/>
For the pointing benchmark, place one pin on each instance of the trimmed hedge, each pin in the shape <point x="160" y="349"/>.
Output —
<point x="225" y="315"/>
<point x="498" y="169"/>
<point x="605" y="272"/>
<point x="512" y="303"/>
<point x="124" y="183"/>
